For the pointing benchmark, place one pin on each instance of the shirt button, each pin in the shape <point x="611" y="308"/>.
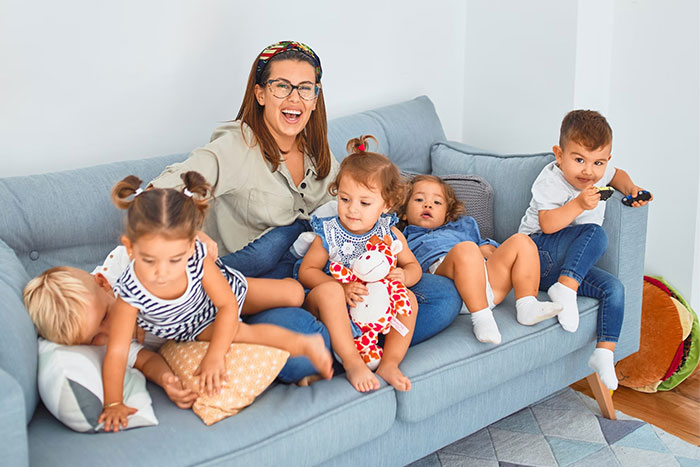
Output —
<point x="301" y="210"/>
<point x="303" y="185"/>
<point x="34" y="255"/>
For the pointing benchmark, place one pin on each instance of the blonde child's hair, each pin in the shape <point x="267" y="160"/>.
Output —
<point x="56" y="301"/>
<point x="370" y="168"/>
<point x="164" y="211"/>
<point x="454" y="209"/>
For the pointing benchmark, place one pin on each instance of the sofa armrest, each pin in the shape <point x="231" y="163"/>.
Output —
<point x="13" y="426"/>
<point x="627" y="231"/>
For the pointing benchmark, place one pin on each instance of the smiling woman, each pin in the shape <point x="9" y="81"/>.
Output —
<point x="269" y="169"/>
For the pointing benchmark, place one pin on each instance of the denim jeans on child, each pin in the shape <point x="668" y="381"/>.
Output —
<point x="572" y="252"/>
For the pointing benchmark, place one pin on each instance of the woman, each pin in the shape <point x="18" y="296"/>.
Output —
<point x="270" y="168"/>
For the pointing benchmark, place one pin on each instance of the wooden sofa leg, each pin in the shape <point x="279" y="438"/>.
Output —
<point x="602" y="396"/>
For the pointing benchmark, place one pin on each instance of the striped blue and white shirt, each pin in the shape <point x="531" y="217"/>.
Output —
<point x="182" y="318"/>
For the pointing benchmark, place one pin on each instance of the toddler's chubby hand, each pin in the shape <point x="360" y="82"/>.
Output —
<point x="212" y="373"/>
<point x="182" y="397"/>
<point x="635" y="191"/>
<point x="116" y="416"/>
<point x="354" y="292"/>
<point x="588" y="198"/>
<point x="397" y="274"/>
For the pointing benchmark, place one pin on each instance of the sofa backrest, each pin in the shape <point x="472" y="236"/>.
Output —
<point x="67" y="218"/>
<point x="405" y="132"/>
<point x="511" y="177"/>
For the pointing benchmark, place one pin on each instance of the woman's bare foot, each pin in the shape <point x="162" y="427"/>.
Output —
<point x="361" y="377"/>
<point x="314" y="348"/>
<point x="391" y="374"/>
<point x="309" y="380"/>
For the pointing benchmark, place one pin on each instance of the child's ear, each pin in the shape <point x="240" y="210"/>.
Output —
<point x="127" y="243"/>
<point x="558" y="153"/>
<point x="102" y="282"/>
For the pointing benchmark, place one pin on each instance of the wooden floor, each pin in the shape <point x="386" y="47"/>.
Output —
<point x="676" y="411"/>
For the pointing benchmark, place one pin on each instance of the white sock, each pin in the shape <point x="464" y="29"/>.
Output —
<point x="532" y="311"/>
<point x="603" y="362"/>
<point x="568" y="317"/>
<point x="485" y="327"/>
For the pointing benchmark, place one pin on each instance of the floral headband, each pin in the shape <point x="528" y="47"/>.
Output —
<point x="284" y="46"/>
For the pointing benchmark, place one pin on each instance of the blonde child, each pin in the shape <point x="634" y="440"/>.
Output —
<point x="450" y="244"/>
<point x="174" y="290"/>
<point x="70" y="306"/>
<point x="564" y="219"/>
<point x="367" y="186"/>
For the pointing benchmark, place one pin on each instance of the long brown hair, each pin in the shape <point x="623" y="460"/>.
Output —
<point x="367" y="168"/>
<point x="164" y="211"/>
<point x="313" y="139"/>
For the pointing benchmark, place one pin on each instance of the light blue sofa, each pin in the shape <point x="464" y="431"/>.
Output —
<point x="459" y="384"/>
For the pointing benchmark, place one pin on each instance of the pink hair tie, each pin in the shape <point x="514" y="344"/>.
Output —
<point x="361" y="147"/>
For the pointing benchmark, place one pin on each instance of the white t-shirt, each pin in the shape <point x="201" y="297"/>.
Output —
<point x="551" y="191"/>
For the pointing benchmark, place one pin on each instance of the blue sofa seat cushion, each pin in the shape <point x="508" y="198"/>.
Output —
<point x="442" y="378"/>
<point x="285" y="422"/>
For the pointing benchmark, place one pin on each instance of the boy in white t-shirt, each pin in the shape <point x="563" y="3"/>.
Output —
<point x="564" y="220"/>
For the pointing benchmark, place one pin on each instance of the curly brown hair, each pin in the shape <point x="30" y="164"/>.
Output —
<point x="454" y="207"/>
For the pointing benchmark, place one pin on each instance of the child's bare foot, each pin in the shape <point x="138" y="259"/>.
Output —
<point x="391" y="374"/>
<point x="361" y="377"/>
<point x="316" y="351"/>
<point x="309" y="380"/>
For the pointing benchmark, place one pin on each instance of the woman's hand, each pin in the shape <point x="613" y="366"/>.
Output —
<point x="397" y="274"/>
<point x="354" y="291"/>
<point x="212" y="247"/>
<point x="212" y="373"/>
<point x="115" y="416"/>
<point x="182" y="397"/>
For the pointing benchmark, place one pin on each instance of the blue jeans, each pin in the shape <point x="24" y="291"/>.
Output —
<point x="269" y="256"/>
<point x="438" y="305"/>
<point x="572" y="252"/>
<point x="298" y="320"/>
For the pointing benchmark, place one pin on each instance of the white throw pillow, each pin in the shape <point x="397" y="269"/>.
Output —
<point x="70" y="385"/>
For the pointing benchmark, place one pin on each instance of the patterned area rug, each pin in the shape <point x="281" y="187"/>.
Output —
<point x="566" y="429"/>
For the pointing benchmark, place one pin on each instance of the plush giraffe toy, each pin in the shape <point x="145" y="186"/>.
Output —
<point x="386" y="298"/>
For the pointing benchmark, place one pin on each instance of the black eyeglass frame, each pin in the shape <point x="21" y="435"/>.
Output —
<point x="292" y="87"/>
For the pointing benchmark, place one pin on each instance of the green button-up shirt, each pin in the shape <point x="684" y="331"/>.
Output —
<point x="249" y="198"/>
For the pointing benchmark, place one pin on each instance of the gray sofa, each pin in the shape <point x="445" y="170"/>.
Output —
<point x="459" y="384"/>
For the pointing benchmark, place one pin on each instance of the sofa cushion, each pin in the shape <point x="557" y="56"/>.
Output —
<point x="18" y="344"/>
<point x="511" y="177"/>
<point x="250" y="369"/>
<point x="70" y="385"/>
<point x="59" y="219"/>
<point x="454" y="366"/>
<point x="405" y="132"/>
<point x="477" y="195"/>
<point x="286" y="424"/>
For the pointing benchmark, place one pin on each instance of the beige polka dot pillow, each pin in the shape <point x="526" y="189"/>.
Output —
<point x="250" y="370"/>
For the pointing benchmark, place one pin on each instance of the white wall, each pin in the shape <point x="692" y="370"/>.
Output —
<point x="528" y="63"/>
<point x="519" y="73"/>
<point x="90" y="81"/>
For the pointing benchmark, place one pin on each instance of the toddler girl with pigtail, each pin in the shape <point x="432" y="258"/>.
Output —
<point x="368" y="186"/>
<point x="174" y="290"/>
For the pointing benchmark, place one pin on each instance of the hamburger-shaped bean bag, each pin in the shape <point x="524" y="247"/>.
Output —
<point x="669" y="347"/>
